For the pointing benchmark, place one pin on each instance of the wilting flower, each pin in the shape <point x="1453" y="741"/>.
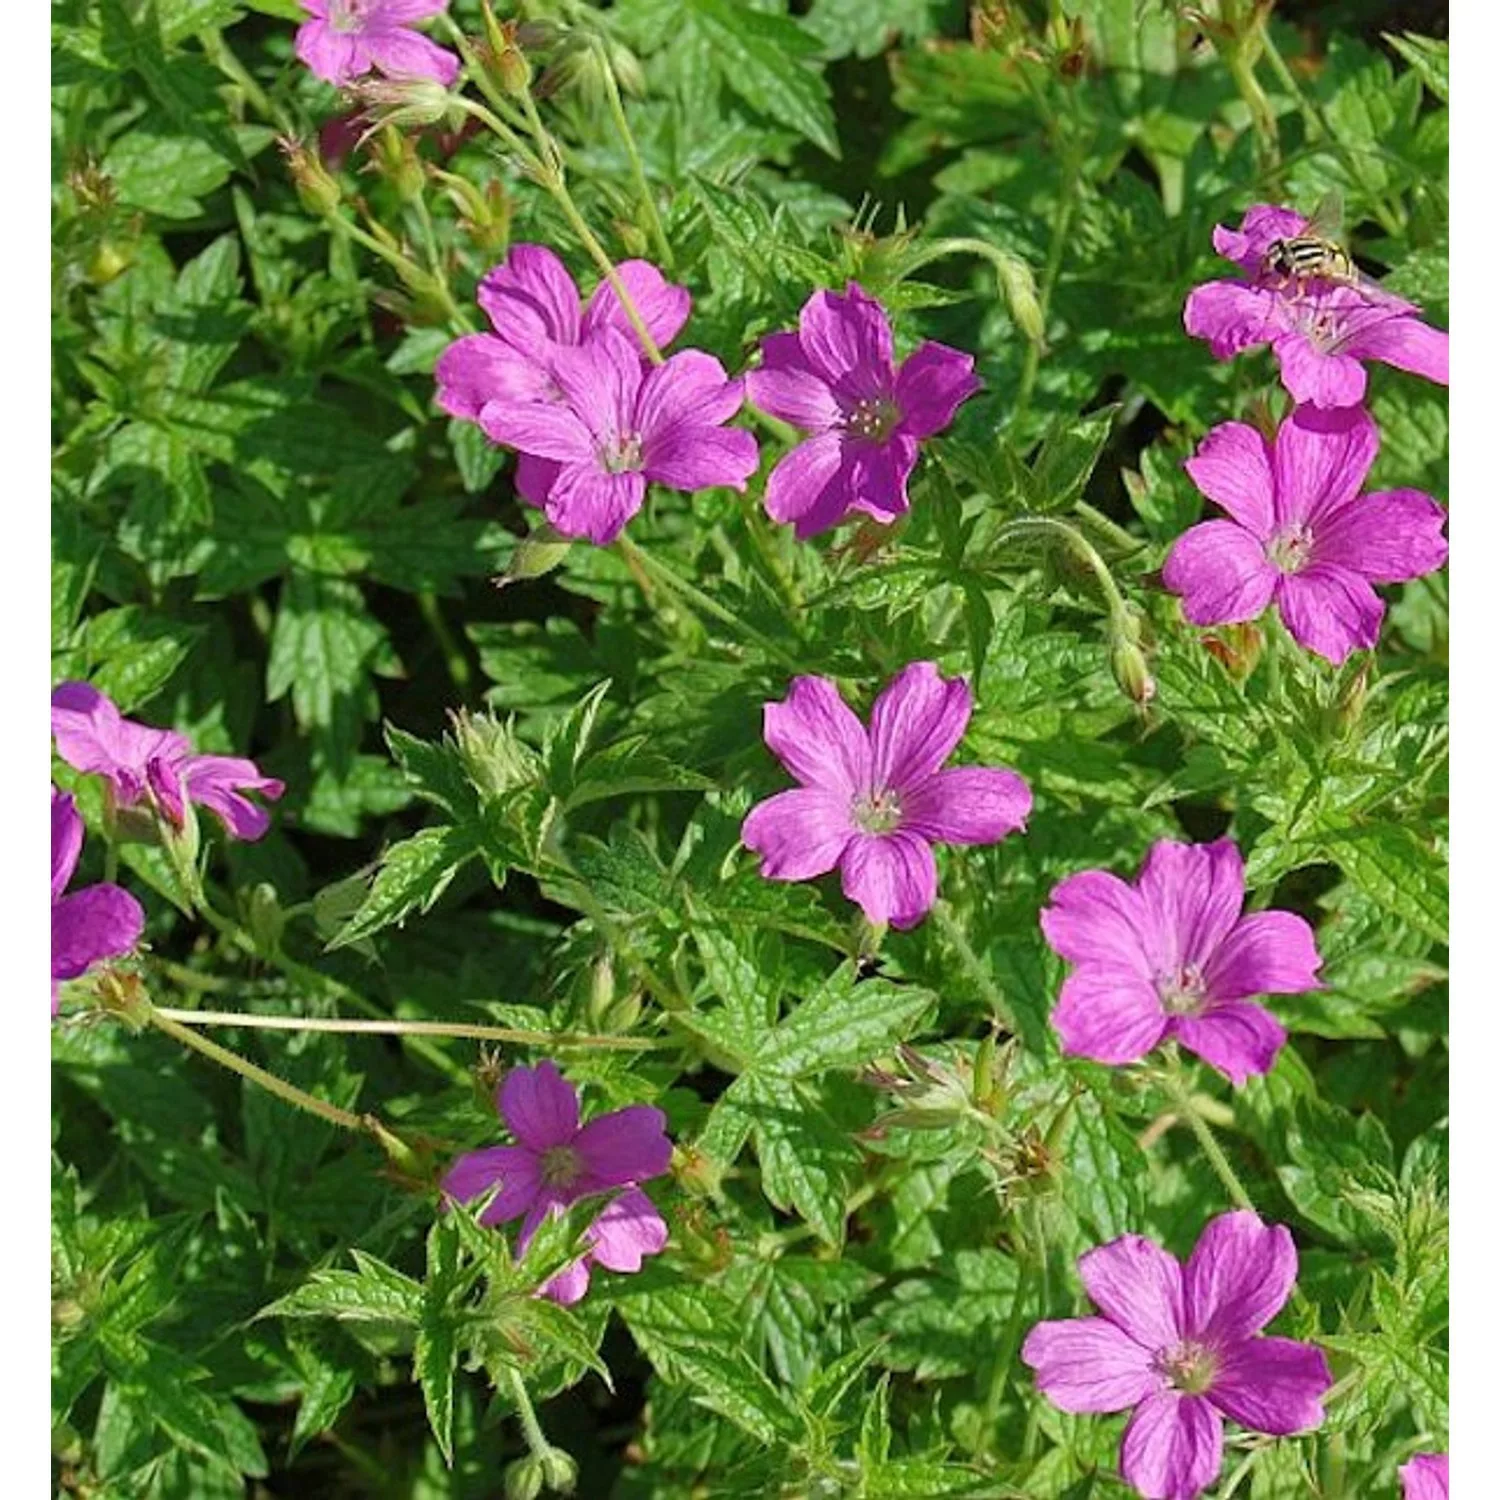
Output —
<point x="1425" y="1477"/>
<point x="1299" y="534"/>
<point x="875" y="803"/>
<point x="556" y="1162"/>
<point x="1183" y="1346"/>
<point x="1171" y="956"/>
<point x="534" y="306"/>
<point x="140" y="762"/>
<point x="617" y="426"/>
<point x="345" y="39"/>
<point x="100" y="921"/>
<point x="1318" y="329"/>
<point x="837" y="378"/>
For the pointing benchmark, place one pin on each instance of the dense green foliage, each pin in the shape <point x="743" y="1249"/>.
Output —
<point x="266" y="535"/>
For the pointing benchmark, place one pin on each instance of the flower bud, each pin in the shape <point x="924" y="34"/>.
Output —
<point x="523" y="1479"/>
<point x="1018" y="287"/>
<point x="559" y="1471"/>
<point x="696" y="1171"/>
<point x="535" y="555"/>
<point x="1238" y="647"/>
<point x="265" y="919"/>
<point x="513" y="71"/>
<point x="396" y="160"/>
<point x="316" y="187"/>
<point x="107" y="262"/>
<point x="1127" y="660"/>
<point x="493" y="757"/>
<point x="1350" y="707"/>
<point x="405" y="101"/>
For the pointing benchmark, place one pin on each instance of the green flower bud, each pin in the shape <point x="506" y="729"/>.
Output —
<point x="316" y="187"/>
<point x="523" y="1479"/>
<point x="559" y="1471"/>
<point x="1018" y="287"/>
<point x="535" y="555"/>
<point x="494" y="758"/>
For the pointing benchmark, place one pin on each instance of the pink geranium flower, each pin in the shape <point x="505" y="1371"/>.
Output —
<point x="1183" y="1347"/>
<point x="141" y="763"/>
<point x="1172" y="957"/>
<point x="616" y="426"/>
<point x="100" y="921"/>
<point x="1425" y="1477"/>
<point x="344" y="39"/>
<point x="1320" y="331"/>
<point x="875" y="803"/>
<point x="535" y="309"/>
<point x="837" y="378"/>
<point x="1299" y="533"/>
<point x="556" y="1161"/>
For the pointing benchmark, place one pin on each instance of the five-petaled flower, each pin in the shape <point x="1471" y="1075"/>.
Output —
<point x="1319" y="330"/>
<point x="344" y="39"/>
<point x="1172" y="957"/>
<point x="618" y="425"/>
<point x="837" y="378"/>
<point x="875" y="803"/>
<point x="141" y="763"/>
<point x="100" y="921"/>
<point x="1182" y="1345"/>
<point x="1425" y="1477"/>
<point x="557" y="1161"/>
<point x="1299" y="533"/>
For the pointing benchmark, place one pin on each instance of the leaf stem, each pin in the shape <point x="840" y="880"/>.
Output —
<point x="1187" y="1111"/>
<point x="254" y="1022"/>
<point x="637" y="167"/>
<point x="958" y="940"/>
<point x="1061" y="223"/>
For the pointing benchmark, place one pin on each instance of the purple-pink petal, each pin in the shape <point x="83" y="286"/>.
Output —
<point x="1236" y="1038"/>
<point x="531" y="300"/>
<point x="1330" y="610"/>
<point x="663" y="306"/>
<point x="1232" y="316"/>
<point x="583" y="501"/>
<point x="627" y="1231"/>
<point x="1262" y="224"/>
<point x="545" y="430"/>
<point x="408" y="54"/>
<point x="791" y="392"/>
<point x="875" y="475"/>
<point x="1108" y="1014"/>
<point x="1425" y="1477"/>
<point x="1405" y="342"/>
<point x="1095" y="917"/>
<point x="515" y="1170"/>
<point x="1272" y="1385"/>
<point x="539" y="1106"/>
<point x="1320" y="460"/>
<point x="67" y="840"/>
<point x="218" y="782"/>
<point x="931" y="386"/>
<point x="627" y="1146"/>
<point x="327" y="54"/>
<point x="847" y="341"/>
<point x="967" y="805"/>
<point x="1238" y="1278"/>
<point x="570" y="1285"/>
<point x="916" y="723"/>
<point x="1221" y="572"/>
<point x="892" y="877"/>
<point x="1266" y="953"/>
<point x="688" y="389"/>
<point x="100" y="921"/>
<point x="799" y="834"/>
<point x="480" y="368"/>
<point x="1316" y="377"/>
<point x="690" y="456"/>
<point x="810" y="486"/>
<point x="1173" y="1447"/>
<point x="1387" y="537"/>
<point x="817" y="737"/>
<point x="1193" y="895"/>
<point x="1138" y="1286"/>
<point x="1089" y="1365"/>
<point x="1233" y="468"/>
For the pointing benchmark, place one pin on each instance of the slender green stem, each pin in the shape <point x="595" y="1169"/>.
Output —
<point x="1188" y="1113"/>
<point x="697" y="600"/>
<point x="429" y="235"/>
<point x="111" y="862"/>
<point x="637" y="167"/>
<point x="254" y="1022"/>
<point x="1005" y="1353"/>
<point x="536" y="1439"/>
<point x="1238" y="59"/>
<point x="165" y="1021"/>
<point x="222" y="56"/>
<point x="1061" y="222"/>
<point x="993" y="997"/>
<point x="1079" y="545"/>
<point x="453" y="656"/>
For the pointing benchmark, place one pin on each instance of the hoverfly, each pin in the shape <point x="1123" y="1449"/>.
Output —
<point x="1314" y="254"/>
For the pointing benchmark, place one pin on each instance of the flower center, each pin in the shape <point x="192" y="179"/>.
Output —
<point x="877" y="812"/>
<point x="1191" y="1367"/>
<point x="1182" y="993"/>
<point x="873" y="418"/>
<point x="623" y="455"/>
<point x="1291" y="550"/>
<point x="561" y="1166"/>
<point x="348" y="15"/>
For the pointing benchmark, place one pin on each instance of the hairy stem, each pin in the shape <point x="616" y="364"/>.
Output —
<point x="637" y="167"/>
<point x="993" y="997"/>
<point x="1189" y="1114"/>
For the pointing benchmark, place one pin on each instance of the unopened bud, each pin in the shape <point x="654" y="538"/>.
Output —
<point x="316" y="187"/>
<point x="396" y="160"/>
<point x="265" y="919"/>
<point x="1238" y="647"/>
<point x="523" y="1479"/>
<point x="513" y="71"/>
<point x="697" y="1172"/>
<point x="405" y="101"/>
<point x="493" y="757"/>
<point x="1350" y="707"/>
<point x="107" y="262"/>
<point x="536" y="554"/>
<point x="601" y="987"/>
<point x="559" y="1471"/>
<point x="1018" y="287"/>
<point x="1128" y="661"/>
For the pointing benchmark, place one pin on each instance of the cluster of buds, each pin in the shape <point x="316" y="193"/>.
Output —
<point x="937" y="1095"/>
<point x="493" y="756"/>
<point x="1003" y="27"/>
<point x="1127" y="655"/>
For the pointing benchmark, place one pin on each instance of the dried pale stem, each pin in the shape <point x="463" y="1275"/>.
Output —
<point x="348" y="1026"/>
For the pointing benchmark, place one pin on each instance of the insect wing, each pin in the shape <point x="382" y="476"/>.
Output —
<point x="1327" y="220"/>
